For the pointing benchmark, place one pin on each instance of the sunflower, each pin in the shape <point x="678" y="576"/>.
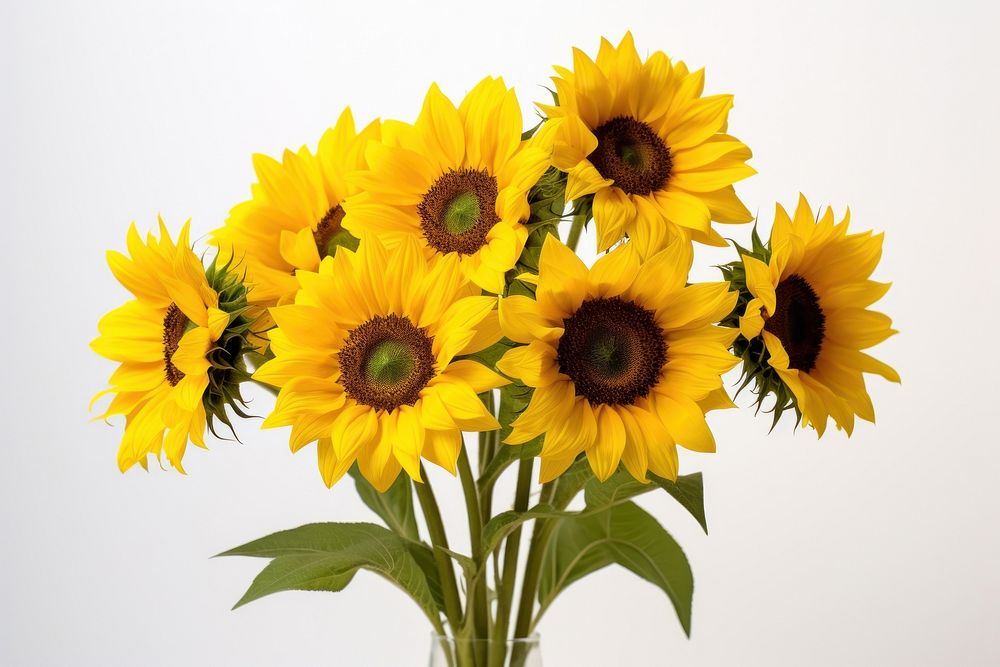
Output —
<point x="179" y="343"/>
<point x="457" y="180"/>
<point x="365" y="359"/>
<point x="651" y="151"/>
<point x="806" y="319"/>
<point x="624" y="359"/>
<point x="293" y="218"/>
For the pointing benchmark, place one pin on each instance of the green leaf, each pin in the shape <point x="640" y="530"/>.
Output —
<point x="600" y="496"/>
<point x="326" y="556"/>
<point x="624" y="534"/>
<point x="469" y="568"/>
<point x="687" y="490"/>
<point x="394" y="507"/>
<point x="503" y="524"/>
<point x="300" y="573"/>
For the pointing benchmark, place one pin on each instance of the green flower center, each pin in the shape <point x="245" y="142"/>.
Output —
<point x="631" y="154"/>
<point x="462" y="213"/>
<point x="386" y="362"/>
<point x="389" y="363"/>
<point x="613" y="350"/>
<point x="798" y="322"/>
<point x="458" y="211"/>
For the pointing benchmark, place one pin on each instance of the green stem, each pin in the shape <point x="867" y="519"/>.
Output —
<point x="575" y="230"/>
<point x="477" y="609"/>
<point x="449" y="587"/>
<point x="532" y="569"/>
<point x="488" y="443"/>
<point x="506" y="583"/>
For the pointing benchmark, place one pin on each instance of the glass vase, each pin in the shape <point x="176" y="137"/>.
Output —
<point x="451" y="652"/>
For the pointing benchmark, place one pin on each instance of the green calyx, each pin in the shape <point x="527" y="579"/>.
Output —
<point x="547" y="201"/>
<point x="462" y="213"/>
<point x="389" y="363"/>
<point x="756" y="369"/>
<point x="227" y="369"/>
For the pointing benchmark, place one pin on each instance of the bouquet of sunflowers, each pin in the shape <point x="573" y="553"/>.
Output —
<point x="405" y="284"/>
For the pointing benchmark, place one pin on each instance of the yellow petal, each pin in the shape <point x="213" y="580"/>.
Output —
<point x="614" y="214"/>
<point x="549" y="405"/>
<point x="376" y="462"/>
<point x="409" y="441"/>
<point x="573" y="142"/>
<point x="299" y="249"/>
<point x="661" y="450"/>
<point x="442" y="448"/>
<point x="487" y="333"/>
<point x="703" y="118"/>
<point x="562" y="276"/>
<point x="534" y="364"/>
<point x="217" y="323"/>
<point x="614" y="272"/>
<point x="686" y="423"/>
<point x="725" y="206"/>
<point x="697" y="305"/>
<point x="553" y="466"/>
<point x="664" y="272"/>
<point x="685" y="210"/>
<point x="574" y="434"/>
<point x="457" y="327"/>
<point x="751" y="321"/>
<point x="606" y="452"/>
<point x="584" y="179"/>
<point x="443" y="133"/>
<point x="189" y="357"/>
<point x="476" y="375"/>
<point x="464" y="406"/>
<point x="759" y="282"/>
<point x="521" y="321"/>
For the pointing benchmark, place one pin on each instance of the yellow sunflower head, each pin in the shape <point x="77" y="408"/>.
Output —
<point x="645" y="149"/>
<point x="457" y="180"/>
<point x="624" y="358"/>
<point x="293" y="218"/>
<point x="179" y="344"/>
<point x="366" y="361"/>
<point x="804" y="317"/>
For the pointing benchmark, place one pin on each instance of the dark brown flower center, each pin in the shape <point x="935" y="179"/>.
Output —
<point x="632" y="154"/>
<point x="328" y="230"/>
<point x="798" y="322"/>
<point x="386" y="362"/>
<point x="613" y="350"/>
<point x="174" y="324"/>
<point x="459" y="210"/>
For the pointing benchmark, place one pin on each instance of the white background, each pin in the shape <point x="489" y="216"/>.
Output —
<point x="881" y="549"/>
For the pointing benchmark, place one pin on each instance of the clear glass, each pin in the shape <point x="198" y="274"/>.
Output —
<point x="449" y="652"/>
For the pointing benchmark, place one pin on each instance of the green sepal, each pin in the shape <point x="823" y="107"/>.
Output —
<point x="756" y="370"/>
<point x="227" y="365"/>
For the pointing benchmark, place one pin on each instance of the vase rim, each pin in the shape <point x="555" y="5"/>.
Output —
<point x="533" y="638"/>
